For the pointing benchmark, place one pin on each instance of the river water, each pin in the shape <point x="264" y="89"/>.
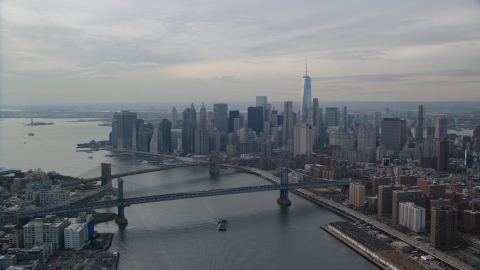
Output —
<point x="183" y="234"/>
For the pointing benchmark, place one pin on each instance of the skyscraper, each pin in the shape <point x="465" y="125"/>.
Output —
<point x="316" y="117"/>
<point x="154" y="141"/>
<point x="125" y="122"/>
<point x="321" y="127"/>
<point x="203" y="117"/>
<point x="210" y="116"/>
<point x="287" y="123"/>
<point x="419" y="130"/>
<point x="174" y="118"/>
<point x="345" y="119"/>
<point x="134" y="138"/>
<point x="193" y="117"/>
<point x="476" y="139"/>
<point x="274" y="117"/>
<point x="255" y="121"/>
<point x="188" y="136"/>
<point x="114" y="140"/>
<point x="164" y="142"/>
<point x="262" y="102"/>
<point x="304" y="138"/>
<point x="357" y="195"/>
<point x="442" y="155"/>
<point x="236" y="124"/>
<point x="268" y="112"/>
<point x="441" y="128"/>
<point x="398" y="196"/>
<point x="378" y="118"/>
<point x="332" y="117"/>
<point x="220" y="116"/>
<point x="137" y="128"/>
<point x="393" y="134"/>
<point x="367" y="140"/>
<point x="202" y="139"/>
<point x="306" y="98"/>
<point x="411" y="216"/>
<point x="176" y="139"/>
<point x="144" y="138"/>
<point x="231" y="116"/>
<point x="443" y="232"/>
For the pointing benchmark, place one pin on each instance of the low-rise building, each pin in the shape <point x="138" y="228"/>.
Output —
<point x="54" y="196"/>
<point x="45" y="230"/>
<point x="7" y="260"/>
<point x="402" y="246"/>
<point x="15" y="238"/>
<point x="41" y="253"/>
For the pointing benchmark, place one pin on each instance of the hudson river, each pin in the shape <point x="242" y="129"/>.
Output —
<point x="184" y="234"/>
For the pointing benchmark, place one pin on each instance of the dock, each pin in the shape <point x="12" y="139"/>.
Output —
<point x="377" y="251"/>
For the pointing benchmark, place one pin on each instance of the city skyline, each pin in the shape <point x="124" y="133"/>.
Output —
<point x="401" y="51"/>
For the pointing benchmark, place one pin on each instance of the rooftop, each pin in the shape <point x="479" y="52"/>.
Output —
<point x="400" y="260"/>
<point x="361" y="236"/>
<point x="76" y="227"/>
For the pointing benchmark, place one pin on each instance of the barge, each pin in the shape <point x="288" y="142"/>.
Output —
<point x="223" y="225"/>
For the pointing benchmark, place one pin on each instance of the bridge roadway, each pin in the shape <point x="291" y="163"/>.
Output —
<point x="142" y="171"/>
<point x="276" y="180"/>
<point x="173" y="196"/>
<point x="358" y="216"/>
<point x="163" y="168"/>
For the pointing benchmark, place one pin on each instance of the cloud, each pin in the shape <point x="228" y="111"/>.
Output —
<point x="401" y="77"/>
<point x="354" y="47"/>
<point x="146" y="65"/>
<point x="354" y="55"/>
<point x="105" y="77"/>
<point x="340" y="88"/>
<point x="224" y="78"/>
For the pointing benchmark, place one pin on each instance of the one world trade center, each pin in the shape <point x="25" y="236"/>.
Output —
<point x="306" y="99"/>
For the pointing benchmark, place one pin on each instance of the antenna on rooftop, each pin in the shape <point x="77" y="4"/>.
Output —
<point x="306" y="74"/>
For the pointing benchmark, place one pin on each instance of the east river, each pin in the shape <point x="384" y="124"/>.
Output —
<point x="183" y="234"/>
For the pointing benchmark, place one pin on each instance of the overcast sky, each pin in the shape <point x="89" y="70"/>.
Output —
<point x="138" y="51"/>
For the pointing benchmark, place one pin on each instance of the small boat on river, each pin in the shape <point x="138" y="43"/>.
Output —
<point x="223" y="225"/>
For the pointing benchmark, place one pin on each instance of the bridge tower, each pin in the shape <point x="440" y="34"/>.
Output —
<point x="214" y="160"/>
<point x="120" y="219"/>
<point x="284" y="191"/>
<point x="106" y="173"/>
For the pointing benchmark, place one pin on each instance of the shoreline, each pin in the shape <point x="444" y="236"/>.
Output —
<point x="102" y="220"/>
<point x="352" y="246"/>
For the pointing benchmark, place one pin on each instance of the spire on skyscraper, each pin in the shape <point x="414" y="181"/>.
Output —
<point x="306" y="73"/>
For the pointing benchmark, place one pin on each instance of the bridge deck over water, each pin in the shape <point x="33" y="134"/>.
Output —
<point x="124" y="202"/>
<point x="191" y="163"/>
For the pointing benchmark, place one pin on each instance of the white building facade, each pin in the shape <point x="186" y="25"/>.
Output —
<point x="411" y="216"/>
<point x="55" y="196"/>
<point x="76" y="235"/>
<point x="45" y="230"/>
<point x="304" y="138"/>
